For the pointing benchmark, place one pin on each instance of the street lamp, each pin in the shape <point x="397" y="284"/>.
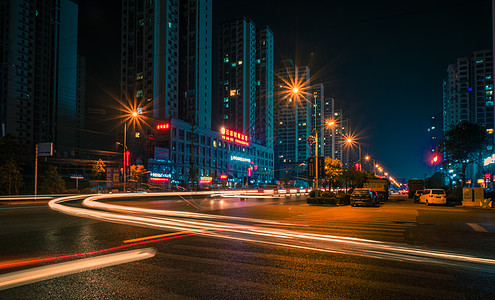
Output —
<point x="295" y="92"/>
<point x="133" y="117"/>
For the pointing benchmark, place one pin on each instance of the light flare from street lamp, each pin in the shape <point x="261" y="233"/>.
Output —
<point x="295" y="87"/>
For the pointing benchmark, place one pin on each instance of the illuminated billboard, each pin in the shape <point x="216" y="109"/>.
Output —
<point x="234" y="136"/>
<point x="241" y="159"/>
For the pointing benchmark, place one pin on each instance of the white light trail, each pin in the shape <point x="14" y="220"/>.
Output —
<point x="29" y="276"/>
<point x="166" y="219"/>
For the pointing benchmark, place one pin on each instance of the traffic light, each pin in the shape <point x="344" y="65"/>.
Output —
<point x="435" y="159"/>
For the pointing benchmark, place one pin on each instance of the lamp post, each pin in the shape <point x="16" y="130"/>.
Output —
<point x="133" y="116"/>
<point x="295" y="90"/>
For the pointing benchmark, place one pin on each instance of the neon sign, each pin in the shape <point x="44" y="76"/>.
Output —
<point x="241" y="159"/>
<point x="159" y="179"/>
<point x="205" y="179"/>
<point x="163" y="126"/>
<point x="489" y="160"/>
<point x="224" y="176"/>
<point x="161" y="175"/>
<point x="234" y="136"/>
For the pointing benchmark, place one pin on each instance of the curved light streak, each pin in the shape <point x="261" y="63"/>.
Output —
<point x="318" y="242"/>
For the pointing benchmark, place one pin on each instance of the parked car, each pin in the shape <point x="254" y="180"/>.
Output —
<point x="363" y="196"/>
<point x="417" y="194"/>
<point x="433" y="196"/>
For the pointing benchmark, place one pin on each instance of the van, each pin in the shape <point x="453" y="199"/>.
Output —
<point x="433" y="196"/>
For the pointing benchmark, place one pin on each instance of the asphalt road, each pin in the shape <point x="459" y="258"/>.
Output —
<point x="248" y="248"/>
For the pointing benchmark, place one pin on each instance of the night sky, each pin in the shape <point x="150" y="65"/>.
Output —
<point x="382" y="61"/>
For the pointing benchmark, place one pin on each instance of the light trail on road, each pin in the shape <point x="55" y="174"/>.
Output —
<point x="14" y="279"/>
<point x="175" y="220"/>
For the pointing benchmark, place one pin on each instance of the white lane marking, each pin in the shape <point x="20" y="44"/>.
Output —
<point x="23" y="277"/>
<point x="477" y="227"/>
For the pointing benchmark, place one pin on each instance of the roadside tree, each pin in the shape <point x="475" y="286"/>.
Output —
<point x="52" y="182"/>
<point x="98" y="169"/>
<point x="462" y="145"/>
<point x="10" y="177"/>
<point x="137" y="172"/>
<point x="333" y="171"/>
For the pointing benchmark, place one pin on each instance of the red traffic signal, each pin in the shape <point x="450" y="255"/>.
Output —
<point x="435" y="159"/>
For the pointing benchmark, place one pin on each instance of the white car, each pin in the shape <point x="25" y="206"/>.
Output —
<point x="433" y="196"/>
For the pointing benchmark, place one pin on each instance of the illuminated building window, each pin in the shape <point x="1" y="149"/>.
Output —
<point x="239" y="62"/>
<point x="233" y="64"/>
<point x="141" y="22"/>
<point x="488" y="77"/>
<point x="225" y="99"/>
<point x="138" y="134"/>
<point x="489" y="130"/>
<point x="489" y="92"/>
<point x="226" y="60"/>
<point x="139" y="76"/>
<point x="479" y="61"/>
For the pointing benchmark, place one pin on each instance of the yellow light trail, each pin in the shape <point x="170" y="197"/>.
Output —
<point x="161" y="235"/>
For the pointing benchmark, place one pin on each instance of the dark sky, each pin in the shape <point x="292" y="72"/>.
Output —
<point x="383" y="61"/>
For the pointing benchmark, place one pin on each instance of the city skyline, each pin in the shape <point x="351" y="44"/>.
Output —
<point x="403" y="88"/>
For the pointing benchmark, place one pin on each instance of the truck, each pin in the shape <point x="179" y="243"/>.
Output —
<point x="414" y="185"/>
<point x="380" y="186"/>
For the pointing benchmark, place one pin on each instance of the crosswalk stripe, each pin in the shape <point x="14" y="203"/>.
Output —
<point x="477" y="227"/>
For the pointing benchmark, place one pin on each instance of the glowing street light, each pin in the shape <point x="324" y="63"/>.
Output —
<point x="133" y="117"/>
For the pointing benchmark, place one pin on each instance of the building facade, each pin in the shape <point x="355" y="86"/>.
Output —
<point x="166" y="78"/>
<point x="236" y="75"/>
<point x="263" y="126"/>
<point x="39" y="65"/>
<point x="292" y="116"/>
<point x="468" y="92"/>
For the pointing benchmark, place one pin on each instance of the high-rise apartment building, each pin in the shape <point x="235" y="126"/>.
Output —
<point x="237" y="74"/>
<point x="341" y="130"/>
<point x="318" y="99"/>
<point x="329" y="133"/>
<point x="195" y="62"/>
<point x="39" y="68"/>
<point x="263" y="126"/>
<point x="292" y="116"/>
<point x="468" y="91"/>
<point x="166" y="76"/>
<point x="150" y="57"/>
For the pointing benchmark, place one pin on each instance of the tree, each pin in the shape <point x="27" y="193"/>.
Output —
<point x="98" y="169"/>
<point x="12" y="157"/>
<point x="52" y="182"/>
<point x="137" y="172"/>
<point x="436" y="181"/>
<point x="463" y="144"/>
<point x="333" y="171"/>
<point x="10" y="176"/>
<point x="356" y="178"/>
